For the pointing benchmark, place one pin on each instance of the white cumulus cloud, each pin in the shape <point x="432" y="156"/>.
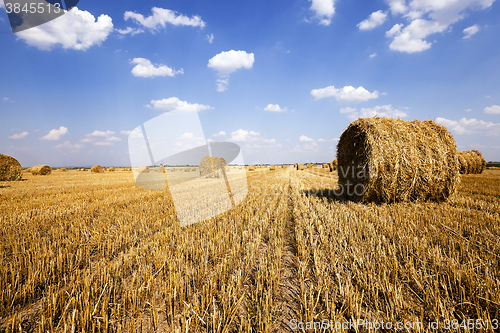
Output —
<point x="304" y="138"/>
<point x="228" y="62"/>
<point x="221" y="133"/>
<point x="68" y="145"/>
<point x="380" y="111"/>
<point x="19" y="136"/>
<point x="471" y="31"/>
<point x="470" y="126"/>
<point x="55" y="134"/>
<point x="494" y="109"/>
<point x="144" y="68"/>
<point x="374" y="20"/>
<point x="347" y="94"/>
<point x="77" y="30"/>
<point x="428" y="17"/>
<point x="274" y="108"/>
<point x="242" y="135"/>
<point x="175" y="104"/>
<point x="160" y="17"/>
<point x="100" y="133"/>
<point x="323" y="10"/>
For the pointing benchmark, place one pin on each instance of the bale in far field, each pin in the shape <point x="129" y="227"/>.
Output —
<point x="212" y="167"/>
<point x="389" y="160"/>
<point x="97" y="169"/>
<point x="112" y="169"/>
<point x="251" y="168"/>
<point x="10" y="168"/>
<point x="62" y="170"/>
<point x="471" y="161"/>
<point x="41" y="170"/>
<point x="301" y="167"/>
<point x="272" y="167"/>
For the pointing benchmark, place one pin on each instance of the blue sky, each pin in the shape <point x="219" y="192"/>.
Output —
<point x="282" y="79"/>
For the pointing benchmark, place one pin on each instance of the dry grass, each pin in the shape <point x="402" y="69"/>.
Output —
<point x="107" y="256"/>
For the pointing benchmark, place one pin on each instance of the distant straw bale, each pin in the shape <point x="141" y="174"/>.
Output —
<point x="10" y="168"/>
<point x="326" y="166"/>
<point x="471" y="162"/>
<point x="62" y="170"/>
<point x="143" y="169"/>
<point x="97" y="169"/>
<point x="111" y="169"/>
<point x="251" y="168"/>
<point x="212" y="167"/>
<point x="301" y="167"/>
<point x="272" y="167"/>
<point x="41" y="169"/>
<point x="390" y="160"/>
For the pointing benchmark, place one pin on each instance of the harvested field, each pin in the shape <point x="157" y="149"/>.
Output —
<point x="293" y="249"/>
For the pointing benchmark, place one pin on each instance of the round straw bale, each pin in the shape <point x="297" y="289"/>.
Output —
<point x="272" y="167"/>
<point x="389" y="160"/>
<point x="212" y="167"/>
<point x="41" y="170"/>
<point x="143" y="169"/>
<point x="111" y="169"/>
<point x="471" y="161"/>
<point x="10" y="168"/>
<point x="97" y="169"/>
<point x="62" y="170"/>
<point x="251" y="168"/>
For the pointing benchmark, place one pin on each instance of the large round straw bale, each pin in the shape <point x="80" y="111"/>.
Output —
<point x="212" y="167"/>
<point x="471" y="161"/>
<point x="389" y="160"/>
<point x="97" y="169"/>
<point x="10" y="168"/>
<point x="41" y="170"/>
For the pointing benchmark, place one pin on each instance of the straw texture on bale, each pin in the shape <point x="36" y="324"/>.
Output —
<point x="471" y="162"/>
<point x="212" y="167"/>
<point x="97" y="169"/>
<point x="10" y="168"/>
<point x="391" y="160"/>
<point x="41" y="170"/>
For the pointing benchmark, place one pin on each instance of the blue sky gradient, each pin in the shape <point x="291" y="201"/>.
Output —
<point x="70" y="90"/>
